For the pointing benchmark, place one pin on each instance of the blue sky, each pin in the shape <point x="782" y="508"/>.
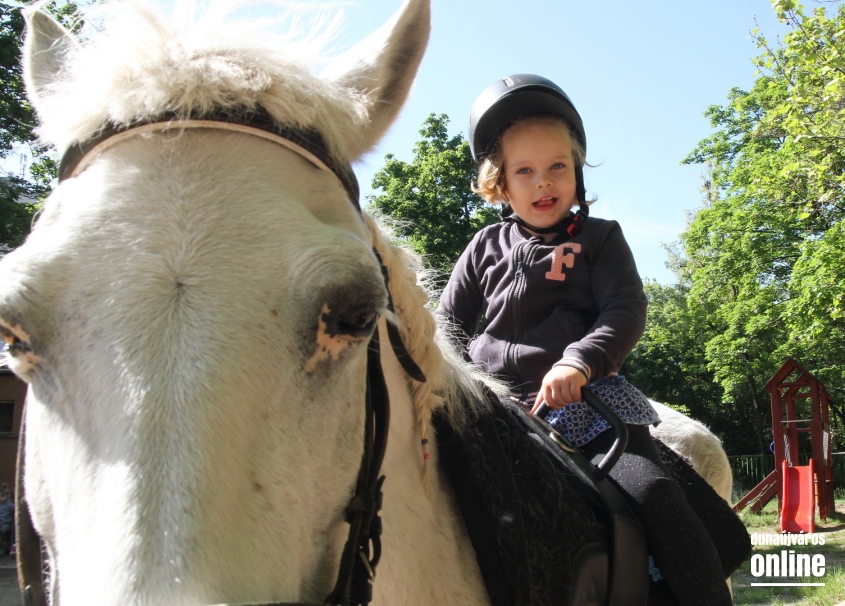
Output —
<point x="640" y="74"/>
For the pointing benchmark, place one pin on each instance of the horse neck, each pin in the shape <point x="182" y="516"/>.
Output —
<point x="427" y="556"/>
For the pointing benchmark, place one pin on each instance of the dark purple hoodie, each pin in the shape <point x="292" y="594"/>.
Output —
<point x="574" y="301"/>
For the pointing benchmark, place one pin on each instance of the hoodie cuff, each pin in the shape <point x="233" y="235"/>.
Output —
<point x="577" y="364"/>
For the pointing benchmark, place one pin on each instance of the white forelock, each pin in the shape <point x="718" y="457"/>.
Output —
<point x="145" y="63"/>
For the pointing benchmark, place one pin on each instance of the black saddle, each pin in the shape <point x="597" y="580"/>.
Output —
<point x="548" y="526"/>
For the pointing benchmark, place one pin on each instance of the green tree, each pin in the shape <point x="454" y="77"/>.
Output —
<point x="19" y="193"/>
<point x="670" y="365"/>
<point x="764" y="256"/>
<point x="430" y="197"/>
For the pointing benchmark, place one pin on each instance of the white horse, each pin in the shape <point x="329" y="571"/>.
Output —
<point x="192" y="310"/>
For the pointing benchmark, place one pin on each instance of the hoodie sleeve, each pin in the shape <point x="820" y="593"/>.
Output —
<point x="618" y="292"/>
<point x="461" y="302"/>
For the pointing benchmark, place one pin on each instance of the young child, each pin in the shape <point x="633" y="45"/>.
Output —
<point x="562" y="305"/>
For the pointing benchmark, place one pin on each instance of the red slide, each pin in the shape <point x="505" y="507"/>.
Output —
<point x="798" y="510"/>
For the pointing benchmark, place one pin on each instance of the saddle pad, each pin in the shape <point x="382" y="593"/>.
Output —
<point x="524" y="518"/>
<point x="528" y="517"/>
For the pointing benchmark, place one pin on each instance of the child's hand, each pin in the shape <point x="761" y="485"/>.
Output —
<point x="561" y="386"/>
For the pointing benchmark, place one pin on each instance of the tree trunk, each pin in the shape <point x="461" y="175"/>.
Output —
<point x="758" y="417"/>
<point x="836" y="412"/>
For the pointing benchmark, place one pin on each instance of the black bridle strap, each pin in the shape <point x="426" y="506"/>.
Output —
<point x="257" y="122"/>
<point x="354" y="580"/>
<point x="399" y="349"/>
<point x="30" y="576"/>
<point x="357" y="565"/>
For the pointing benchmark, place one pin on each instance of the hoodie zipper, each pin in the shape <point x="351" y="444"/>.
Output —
<point x="514" y="304"/>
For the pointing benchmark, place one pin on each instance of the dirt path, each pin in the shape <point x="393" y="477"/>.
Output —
<point x="10" y="595"/>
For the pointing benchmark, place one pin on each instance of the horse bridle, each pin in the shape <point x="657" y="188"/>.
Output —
<point x="362" y="550"/>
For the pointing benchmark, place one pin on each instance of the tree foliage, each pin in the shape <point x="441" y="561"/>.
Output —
<point x="764" y="257"/>
<point x="19" y="193"/>
<point x="430" y="197"/>
<point x="670" y="365"/>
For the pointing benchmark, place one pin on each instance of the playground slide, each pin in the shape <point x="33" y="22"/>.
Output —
<point x="798" y="510"/>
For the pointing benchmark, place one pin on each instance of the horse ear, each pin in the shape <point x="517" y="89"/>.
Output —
<point x="382" y="68"/>
<point x="45" y="49"/>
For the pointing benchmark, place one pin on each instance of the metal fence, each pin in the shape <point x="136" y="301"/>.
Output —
<point x="750" y="470"/>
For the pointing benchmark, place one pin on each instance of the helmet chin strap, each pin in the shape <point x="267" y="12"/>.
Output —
<point x="571" y="224"/>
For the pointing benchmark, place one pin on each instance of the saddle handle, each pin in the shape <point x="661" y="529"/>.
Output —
<point x="616" y="424"/>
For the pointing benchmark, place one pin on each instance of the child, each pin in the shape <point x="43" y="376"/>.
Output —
<point x="562" y="306"/>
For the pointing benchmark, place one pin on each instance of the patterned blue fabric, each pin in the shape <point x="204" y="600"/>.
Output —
<point x="579" y="423"/>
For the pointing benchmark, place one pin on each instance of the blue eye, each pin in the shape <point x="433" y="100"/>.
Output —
<point x="523" y="171"/>
<point x="558" y="165"/>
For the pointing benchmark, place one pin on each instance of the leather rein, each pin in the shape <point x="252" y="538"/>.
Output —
<point x="362" y="551"/>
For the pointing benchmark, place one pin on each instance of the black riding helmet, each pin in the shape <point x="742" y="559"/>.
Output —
<point x="519" y="96"/>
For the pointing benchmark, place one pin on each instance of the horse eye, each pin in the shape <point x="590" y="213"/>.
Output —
<point x="12" y="344"/>
<point x="359" y="323"/>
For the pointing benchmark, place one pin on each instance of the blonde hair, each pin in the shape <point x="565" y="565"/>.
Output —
<point x="490" y="183"/>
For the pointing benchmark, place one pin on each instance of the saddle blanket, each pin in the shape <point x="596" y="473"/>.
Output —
<point x="527" y="519"/>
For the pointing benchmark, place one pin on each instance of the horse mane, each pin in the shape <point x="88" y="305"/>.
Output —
<point x="451" y="381"/>
<point x="145" y="65"/>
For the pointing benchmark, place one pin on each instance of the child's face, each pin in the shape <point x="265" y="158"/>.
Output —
<point x="539" y="173"/>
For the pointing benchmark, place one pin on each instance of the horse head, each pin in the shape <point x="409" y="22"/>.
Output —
<point x="193" y="307"/>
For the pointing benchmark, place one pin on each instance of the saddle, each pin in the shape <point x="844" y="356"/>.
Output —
<point x="547" y="525"/>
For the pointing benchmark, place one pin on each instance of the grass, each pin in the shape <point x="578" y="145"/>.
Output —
<point x="834" y="551"/>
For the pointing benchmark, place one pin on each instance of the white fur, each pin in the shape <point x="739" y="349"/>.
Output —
<point x="144" y="64"/>
<point x="181" y="449"/>
<point x="698" y="445"/>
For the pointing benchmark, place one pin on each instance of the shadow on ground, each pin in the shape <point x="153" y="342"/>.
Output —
<point x="10" y="595"/>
